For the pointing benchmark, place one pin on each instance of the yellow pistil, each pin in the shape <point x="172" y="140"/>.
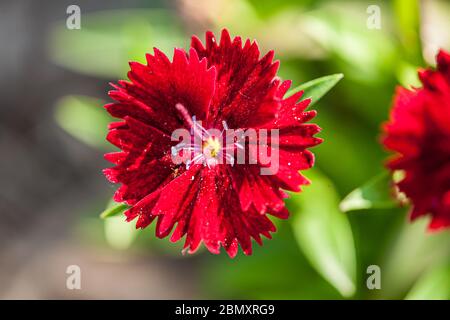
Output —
<point x="213" y="146"/>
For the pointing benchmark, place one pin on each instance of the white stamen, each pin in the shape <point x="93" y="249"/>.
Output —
<point x="211" y="151"/>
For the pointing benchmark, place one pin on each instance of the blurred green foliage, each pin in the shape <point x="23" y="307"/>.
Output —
<point x="433" y="284"/>
<point x="81" y="117"/>
<point x="324" y="233"/>
<point x="320" y="253"/>
<point x="108" y="40"/>
<point x="374" y="194"/>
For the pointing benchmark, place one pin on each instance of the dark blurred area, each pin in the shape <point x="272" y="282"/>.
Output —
<point x="49" y="177"/>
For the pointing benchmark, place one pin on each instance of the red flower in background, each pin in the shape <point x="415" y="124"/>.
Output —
<point x="222" y="83"/>
<point x="419" y="131"/>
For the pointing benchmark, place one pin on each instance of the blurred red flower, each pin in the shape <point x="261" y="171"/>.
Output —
<point x="419" y="131"/>
<point x="223" y="85"/>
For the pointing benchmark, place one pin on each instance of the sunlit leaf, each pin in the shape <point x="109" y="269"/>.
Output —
<point x="84" y="118"/>
<point x="407" y="75"/>
<point x="109" y="39"/>
<point x="407" y="18"/>
<point x="120" y="234"/>
<point x="269" y="7"/>
<point x="317" y="88"/>
<point x="362" y="53"/>
<point x="114" y="210"/>
<point x="375" y="194"/>
<point x="433" y="285"/>
<point x="410" y="254"/>
<point x="324" y="233"/>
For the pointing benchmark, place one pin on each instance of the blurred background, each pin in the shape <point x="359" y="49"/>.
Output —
<point x="53" y="84"/>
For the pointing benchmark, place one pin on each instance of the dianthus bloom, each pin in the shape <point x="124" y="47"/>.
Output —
<point x="222" y="85"/>
<point x="419" y="131"/>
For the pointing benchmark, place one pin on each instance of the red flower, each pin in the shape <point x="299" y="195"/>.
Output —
<point x="419" y="131"/>
<point x="225" y="85"/>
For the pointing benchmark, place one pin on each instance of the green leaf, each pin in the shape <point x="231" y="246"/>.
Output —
<point x="432" y="285"/>
<point x="407" y="18"/>
<point x="407" y="75"/>
<point x="120" y="234"/>
<point x="365" y="55"/>
<point x="84" y="118"/>
<point x="246" y="277"/>
<point x="375" y="194"/>
<point x="317" y="88"/>
<point x="109" y="39"/>
<point x="324" y="233"/>
<point x="412" y="252"/>
<point x="113" y="210"/>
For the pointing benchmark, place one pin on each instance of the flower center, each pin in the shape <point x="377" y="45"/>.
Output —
<point x="212" y="147"/>
<point x="205" y="146"/>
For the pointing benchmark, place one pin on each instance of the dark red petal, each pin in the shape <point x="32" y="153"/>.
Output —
<point x="216" y="218"/>
<point x="220" y="82"/>
<point x="419" y="134"/>
<point x="157" y="87"/>
<point x="141" y="181"/>
<point x="245" y="90"/>
<point x="175" y="200"/>
<point x="252" y="188"/>
<point x="443" y="64"/>
<point x="142" y="210"/>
